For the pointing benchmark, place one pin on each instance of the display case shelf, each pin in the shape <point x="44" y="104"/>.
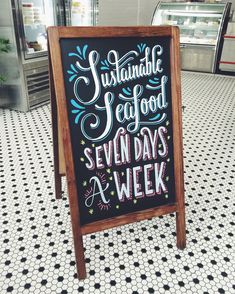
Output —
<point x="198" y="27"/>
<point x="191" y="14"/>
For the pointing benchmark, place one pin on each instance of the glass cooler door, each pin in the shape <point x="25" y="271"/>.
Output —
<point x="36" y="16"/>
<point x="83" y="12"/>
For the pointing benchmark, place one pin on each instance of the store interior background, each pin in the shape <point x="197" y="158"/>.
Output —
<point x="132" y="12"/>
<point x="36" y="245"/>
<point x="27" y="82"/>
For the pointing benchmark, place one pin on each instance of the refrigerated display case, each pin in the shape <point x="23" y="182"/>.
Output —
<point x="24" y="23"/>
<point x="201" y="28"/>
<point x="83" y="12"/>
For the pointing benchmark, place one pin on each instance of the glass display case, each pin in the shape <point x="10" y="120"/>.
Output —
<point x="201" y="27"/>
<point x="83" y="12"/>
<point x="24" y="24"/>
<point x="36" y="16"/>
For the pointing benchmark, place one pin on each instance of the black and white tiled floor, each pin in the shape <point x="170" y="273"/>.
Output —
<point x="36" y="248"/>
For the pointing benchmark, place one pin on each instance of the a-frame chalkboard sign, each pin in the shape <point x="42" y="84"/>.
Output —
<point x="117" y="129"/>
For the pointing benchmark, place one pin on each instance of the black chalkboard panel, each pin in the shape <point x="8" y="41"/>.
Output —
<point x="117" y="126"/>
<point x="118" y="95"/>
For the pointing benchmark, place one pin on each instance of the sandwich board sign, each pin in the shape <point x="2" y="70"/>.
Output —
<point x="117" y="129"/>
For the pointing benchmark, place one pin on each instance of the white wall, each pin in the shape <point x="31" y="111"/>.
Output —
<point x="146" y="10"/>
<point x="126" y="12"/>
<point x="118" y="13"/>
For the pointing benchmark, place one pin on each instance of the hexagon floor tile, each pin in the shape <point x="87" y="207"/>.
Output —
<point x="36" y="248"/>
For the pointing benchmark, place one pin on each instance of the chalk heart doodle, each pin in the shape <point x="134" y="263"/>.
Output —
<point x="106" y="74"/>
<point x="128" y="93"/>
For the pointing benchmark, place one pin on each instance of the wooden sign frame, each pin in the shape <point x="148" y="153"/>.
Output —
<point x="63" y="155"/>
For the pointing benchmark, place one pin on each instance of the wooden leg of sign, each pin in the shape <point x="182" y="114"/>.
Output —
<point x="180" y="229"/>
<point x="80" y="258"/>
<point x="77" y="234"/>
<point x="54" y="116"/>
<point x="60" y="139"/>
<point x="58" y="186"/>
<point x="57" y="176"/>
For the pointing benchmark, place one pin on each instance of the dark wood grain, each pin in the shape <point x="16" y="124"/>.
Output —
<point x="178" y="139"/>
<point x="62" y="112"/>
<point x="128" y="218"/>
<point x="54" y="119"/>
<point x="114" y="32"/>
